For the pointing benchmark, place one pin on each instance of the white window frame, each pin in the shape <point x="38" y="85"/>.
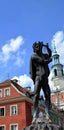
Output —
<point x="14" y="125"/>
<point x="1" y="92"/>
<point x="11" y="110"/>
<point x="4" y="111"/>
<point x="4" y="126"/>
<point x="5" y="90"/>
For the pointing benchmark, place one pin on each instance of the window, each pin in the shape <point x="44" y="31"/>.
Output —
<point x="14" y="127"/>
<point x="2" y="113"/>
<point x="62" y="71"/>
<point x="0" y="93"/>
<point x="7" y="92"/>
<point x="2" y="128"/>
<point x="55" y="72"/>
<point x="14" y="110"/>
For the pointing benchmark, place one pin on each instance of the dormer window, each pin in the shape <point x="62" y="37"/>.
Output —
<point x="7" y="92"/>
<point x="27" y="94"/>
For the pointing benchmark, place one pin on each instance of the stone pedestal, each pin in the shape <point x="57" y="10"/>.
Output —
<point x="42" y="124"/>
<point x="42" y="127"/>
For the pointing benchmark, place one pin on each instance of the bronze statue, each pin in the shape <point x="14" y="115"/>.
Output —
<point x="39" y="72"/>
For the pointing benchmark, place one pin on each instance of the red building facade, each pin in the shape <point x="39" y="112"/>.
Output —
<point x="14" y="106"/>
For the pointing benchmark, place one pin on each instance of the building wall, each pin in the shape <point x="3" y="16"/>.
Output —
<point x="58" y="99"/>
<point x="58" y="94"/>
<point x="16" y="98"/>
<point x="28" y="113"/>
<point x="13" y="92"/>
<point x="23" y="117"/>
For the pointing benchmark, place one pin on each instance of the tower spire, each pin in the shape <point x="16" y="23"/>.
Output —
<point x="55" y="51"/>
<point x="57" y="67"/>
<point x="54" y="47"/>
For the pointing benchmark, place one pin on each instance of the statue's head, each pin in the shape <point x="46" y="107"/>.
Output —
<point x="37" y="46"/>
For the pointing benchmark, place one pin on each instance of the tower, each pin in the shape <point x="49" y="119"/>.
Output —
<point x="57" y="67"/>
<point x="58" y="80"/>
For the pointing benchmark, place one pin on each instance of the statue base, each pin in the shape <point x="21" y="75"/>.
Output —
<point x="41" y="124"/>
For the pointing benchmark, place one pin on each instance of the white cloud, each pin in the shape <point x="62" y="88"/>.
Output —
<point x="18" y="61"/>
<point x="12" y="45"/>
<point x="25" y="81"/>
<point x="50" y="81"/>
<point x="58" y="40"/>
<point x="11" y="50"/>
<point x="19" y="56"/>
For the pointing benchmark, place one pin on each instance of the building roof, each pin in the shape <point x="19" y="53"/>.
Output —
<point x="15" y="83"/>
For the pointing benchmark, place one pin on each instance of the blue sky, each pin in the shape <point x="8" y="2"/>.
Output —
<point x="22" y="22"/>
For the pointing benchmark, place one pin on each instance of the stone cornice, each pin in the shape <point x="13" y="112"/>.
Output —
<point x="11" y="100"/>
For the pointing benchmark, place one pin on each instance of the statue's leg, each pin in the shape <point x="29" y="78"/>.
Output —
<point x="36" y="97"/>
<point x="47" y="92"/>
